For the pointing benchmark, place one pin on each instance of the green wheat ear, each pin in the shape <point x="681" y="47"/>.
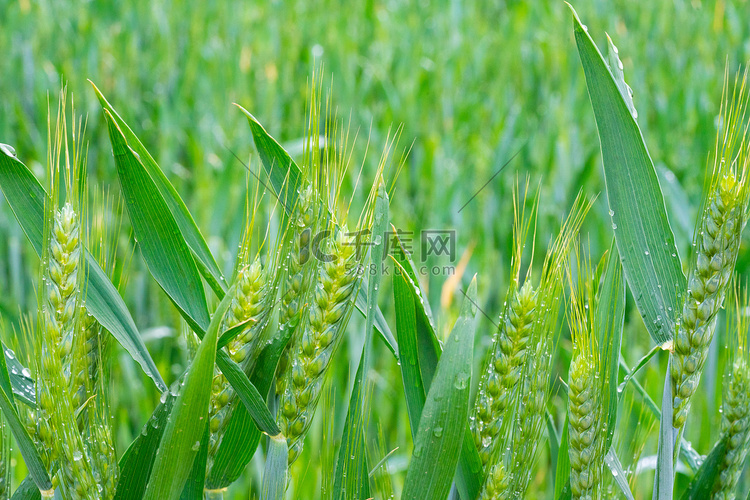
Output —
<point x="253" y="304"/>
<point x="517" y="440"/>
<point x="301" y="266"/>
<point x="717" y="242"/>
<point x="735" y="416"/>
<point x="331" y="300"/>
<point x="586" y="412"/>
<point x="509" y="344"/>
<point x="60" y="315"/>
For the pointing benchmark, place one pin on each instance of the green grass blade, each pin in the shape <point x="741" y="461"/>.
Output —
<point x="5" y="382"/>
<point x="31" y="457"/>
<point x="162" y="246"/>
<point x="351" y="478"/>
<point x="443" y="423"/>
<point x="190" y="232"/>
<point x="406" y="331"/>
<point x="26" y="198"/>
<point x="138" y="460"/>
<point x="187" y="422"/>
<point x="609" y="322"/>
<point x="562" y="472"/>
<point x="27" y="490"/>
<point x="643" y="234"/>
<point x="193" y="489"/>
<point x="248" y="394"/>
<point x="274" y="474"/>
<point x="21" y="383"/>
<point x="702" y="484"/>
<point x="615" y="467"/>
<point x="664" y="477"/>
<point x="428" y="348"/>
<point x="283" y="172"/>
<point x="554" y="440"/>
<point x="229" y="334"/>
<point x="242" y="436"/>
<point x="687" y="452"/>
<point x="469" y="476"/>
<point x="379" y="322"/>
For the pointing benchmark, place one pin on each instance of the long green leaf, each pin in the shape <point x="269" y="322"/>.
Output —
<point x="562" y="472"/>
<point x="446" y="411"/>
<point x="186" y="425"/>
<point x="609" y="321"/>
<point x="248" y="394"/>
<point x="274" y="474"/>
<point x="469" y="476"/>
<point x="31" y="457"/>
<point x="406" y="332"/>
<point x="283" y="172"/>
<point x="162" y="246"/>
<point x="16" y="381"/>
<point x="26" y="198"/>
<point x="618" y="474"/>
<point x="553" y="439"/>
<point x="352" y="473"/>
<point x="642" y="231"/>
<point x="27" y="490"/>
<point x="687" y="452"/>
<point x="138" y="460"/>
<point x="702" y="484"/>
<point x="196" y="480"/>
<point x="189" y="230"/>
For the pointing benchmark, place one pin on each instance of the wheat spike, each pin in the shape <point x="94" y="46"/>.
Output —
<point x="717" y="244"/>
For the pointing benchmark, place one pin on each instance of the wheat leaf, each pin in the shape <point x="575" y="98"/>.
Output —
<point x="638" y="214"/>
<point x="442" y="426"/>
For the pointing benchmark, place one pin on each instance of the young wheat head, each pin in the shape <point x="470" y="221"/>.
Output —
<point x="716" y="244"/>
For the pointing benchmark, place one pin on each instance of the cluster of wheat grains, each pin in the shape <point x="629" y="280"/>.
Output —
<point x="301" y="264"/>
<point x="331" y="291"/>
<point x="72" y="416"/>
<point x="508" y="419"/>
<point x="716" y="245"/>
<point x="735" y="414"/>
<point x="251" y="305"/>
<point x="588" y="408"/>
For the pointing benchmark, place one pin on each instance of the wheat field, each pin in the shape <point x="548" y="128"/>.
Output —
<point x="436" y="250"/>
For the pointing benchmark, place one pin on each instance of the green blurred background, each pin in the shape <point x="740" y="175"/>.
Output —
<point x="471" y="83"/>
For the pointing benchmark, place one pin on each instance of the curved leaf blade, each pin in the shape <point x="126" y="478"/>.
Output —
<point x="187" y="421"/>
<point x="702" y="484"/>
<point x="34" y="463"/>
<point x="248" y="394"/>
<point x="643" y="234"/>
<point x="189" y="229"/>
<point x="469" y="476"/>
<point x="138" y="460"/>
<point x="446" y="412"/>
<point x="162" y="245"/>
<point x="26" y="198"/>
